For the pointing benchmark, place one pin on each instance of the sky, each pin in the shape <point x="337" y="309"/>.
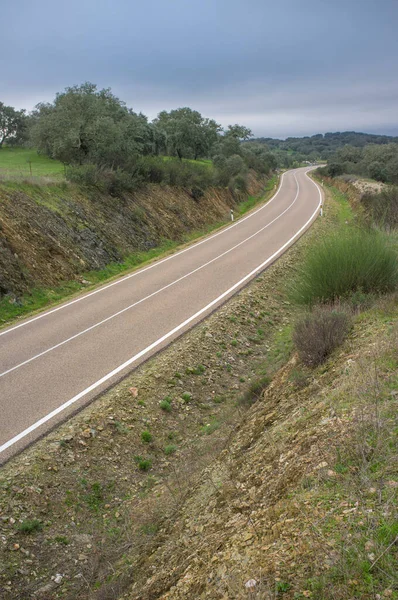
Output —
<point x="283" y="68"/>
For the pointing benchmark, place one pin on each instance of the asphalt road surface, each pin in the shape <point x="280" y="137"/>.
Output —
<point x="58" y="361"/>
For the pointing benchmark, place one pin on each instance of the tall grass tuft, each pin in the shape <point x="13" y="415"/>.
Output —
<point x="349" y="261"/>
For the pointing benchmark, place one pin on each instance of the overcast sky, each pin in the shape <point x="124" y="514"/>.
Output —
<point x="286" y="67"/>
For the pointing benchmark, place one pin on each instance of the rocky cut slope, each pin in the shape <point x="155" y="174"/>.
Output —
<point x="49" y="234"/>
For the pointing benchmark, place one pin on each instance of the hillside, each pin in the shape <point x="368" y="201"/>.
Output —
<point x="322" y="146"/>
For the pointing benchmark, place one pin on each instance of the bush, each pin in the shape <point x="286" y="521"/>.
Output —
<point x="344" y="263"/>
<point x="319" y="333"/>
<point x="109" y="181"/>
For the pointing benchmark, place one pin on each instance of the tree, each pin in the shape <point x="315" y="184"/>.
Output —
<point x="84" y="125"/>
<point x="12" y="123"/>
<point x="239" y="132"/>
<point x="187" y="133"/>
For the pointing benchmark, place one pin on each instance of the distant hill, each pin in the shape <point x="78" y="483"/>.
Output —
<point x="323" y="145"/>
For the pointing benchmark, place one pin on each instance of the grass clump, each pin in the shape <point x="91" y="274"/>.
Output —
<point x="165" y="404"/>
<point x="144" y="464"/>
<point x="170" y="449"/>
<point x="319" y="333"/>
<point x="30" y="526"/>
<point x="187" y="397"/>
<point x="348" y="261"/>
<point x="146" y="437"/>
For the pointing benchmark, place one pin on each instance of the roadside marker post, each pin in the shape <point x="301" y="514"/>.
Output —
<point x="232" y="214"/>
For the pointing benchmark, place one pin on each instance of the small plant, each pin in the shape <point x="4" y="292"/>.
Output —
<point x="141" y="403"/>
<point x="234" y="343"/>
<point x="61" y="539"/>
<point x="144" y="464"/>
<point x="210" y="428"/>
<point x="319" y="333"/>
<point x="170" y="449"/>
<point x="146" y="437"/>
<point x="30" y="526"/>
<point x="165" y="404"/>
<point x="120" y="427"/>
<point x="282" y="586"/>
<point x="177" y="375"/>
<point x="187" y="397"/>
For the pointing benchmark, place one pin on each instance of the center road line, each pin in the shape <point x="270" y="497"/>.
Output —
<point x="152" y="266"/>
<point x="169" y="334"/>
<point x="120" y="312"/>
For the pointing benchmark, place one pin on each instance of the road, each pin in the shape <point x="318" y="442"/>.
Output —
<point x="58" y="361"/>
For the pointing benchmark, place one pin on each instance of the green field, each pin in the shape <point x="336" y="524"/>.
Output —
<point x="25" y="162"/>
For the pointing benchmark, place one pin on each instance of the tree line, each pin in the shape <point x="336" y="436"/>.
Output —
<point x="378" y="162"/>
<point x="103" y="141"/>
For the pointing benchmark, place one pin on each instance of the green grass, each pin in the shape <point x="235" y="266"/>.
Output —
<point x="346" y="262"/>
<point x="20" y="161"/>
<point x="30" y="526"/>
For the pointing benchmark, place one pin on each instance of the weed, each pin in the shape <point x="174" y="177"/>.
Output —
<point x="210" y="428"/>
<point x="94" y="497"/>
<point x="170" y="449"/>
<point x="146" y="437"/>
<point x="144" y="464"/>
<point x="120" y="427"/>
<point x="165" y="404"/>
<point x="61" y="539"/>
<point x="187" y="397"/>
<point x="30" y="526"/>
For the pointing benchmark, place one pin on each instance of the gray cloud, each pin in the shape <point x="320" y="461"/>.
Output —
<point x="286" y="68"/>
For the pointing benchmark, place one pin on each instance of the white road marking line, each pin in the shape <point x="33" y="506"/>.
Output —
<point x="159" y="341"/>
<point x="140" y="271"/>
<point x="73" y="337"/>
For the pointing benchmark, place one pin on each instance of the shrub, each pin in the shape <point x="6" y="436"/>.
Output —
<point x="170" y="449"/>
<point x="344" y="263"/>
<point x="319" y="333"/>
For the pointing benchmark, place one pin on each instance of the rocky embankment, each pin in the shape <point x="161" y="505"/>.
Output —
<point x="50" y="234"/>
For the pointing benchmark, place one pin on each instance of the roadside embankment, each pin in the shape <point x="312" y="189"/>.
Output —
<point x="58" y="239"/>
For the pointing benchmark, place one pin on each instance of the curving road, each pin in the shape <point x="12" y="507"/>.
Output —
<point x="58" y="361"/>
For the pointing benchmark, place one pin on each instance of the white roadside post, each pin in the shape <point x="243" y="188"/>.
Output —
<point x="232" y="214"/>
